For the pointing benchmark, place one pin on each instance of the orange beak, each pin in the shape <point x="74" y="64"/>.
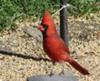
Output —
<point x="41" y="28"/>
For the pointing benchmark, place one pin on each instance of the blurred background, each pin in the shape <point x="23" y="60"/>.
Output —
<point x="12" y="10"/>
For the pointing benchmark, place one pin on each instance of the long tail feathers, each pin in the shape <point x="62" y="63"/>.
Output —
<point x="78" y="67"/>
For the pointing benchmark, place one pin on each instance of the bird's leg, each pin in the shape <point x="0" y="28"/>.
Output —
<point x="52" y="73"/>
<point x="62" y="68"/>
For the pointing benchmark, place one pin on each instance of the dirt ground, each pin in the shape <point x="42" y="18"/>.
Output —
<point x="21" y="55"/>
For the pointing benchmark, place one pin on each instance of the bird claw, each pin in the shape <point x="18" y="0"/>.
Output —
<point x="62" y="72"/>
<point x="51" y="73"/>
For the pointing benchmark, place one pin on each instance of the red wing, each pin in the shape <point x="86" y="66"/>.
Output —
<point x="58" y="43"/>
<point x="64" y="46"/>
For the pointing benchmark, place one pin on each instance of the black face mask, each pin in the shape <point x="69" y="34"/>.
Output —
<point x="45" y="27"/>
<point x="45" y="30"/>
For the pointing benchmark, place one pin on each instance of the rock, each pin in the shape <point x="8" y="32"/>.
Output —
<point x="63" y="77"/>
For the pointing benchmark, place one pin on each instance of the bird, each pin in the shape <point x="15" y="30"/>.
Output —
<point x="54" y="45"/>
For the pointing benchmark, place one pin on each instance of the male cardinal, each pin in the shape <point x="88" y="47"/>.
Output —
<point x="54" y="46"/>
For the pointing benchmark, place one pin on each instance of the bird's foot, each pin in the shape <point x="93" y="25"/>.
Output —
<point x="62" y="72"/>
<point x="51" y="73"/>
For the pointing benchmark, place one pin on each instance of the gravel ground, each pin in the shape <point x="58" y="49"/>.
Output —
<point x="24" y="52"/>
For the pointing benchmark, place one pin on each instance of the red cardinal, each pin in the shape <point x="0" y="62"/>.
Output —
<point x="54" y="46"/>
